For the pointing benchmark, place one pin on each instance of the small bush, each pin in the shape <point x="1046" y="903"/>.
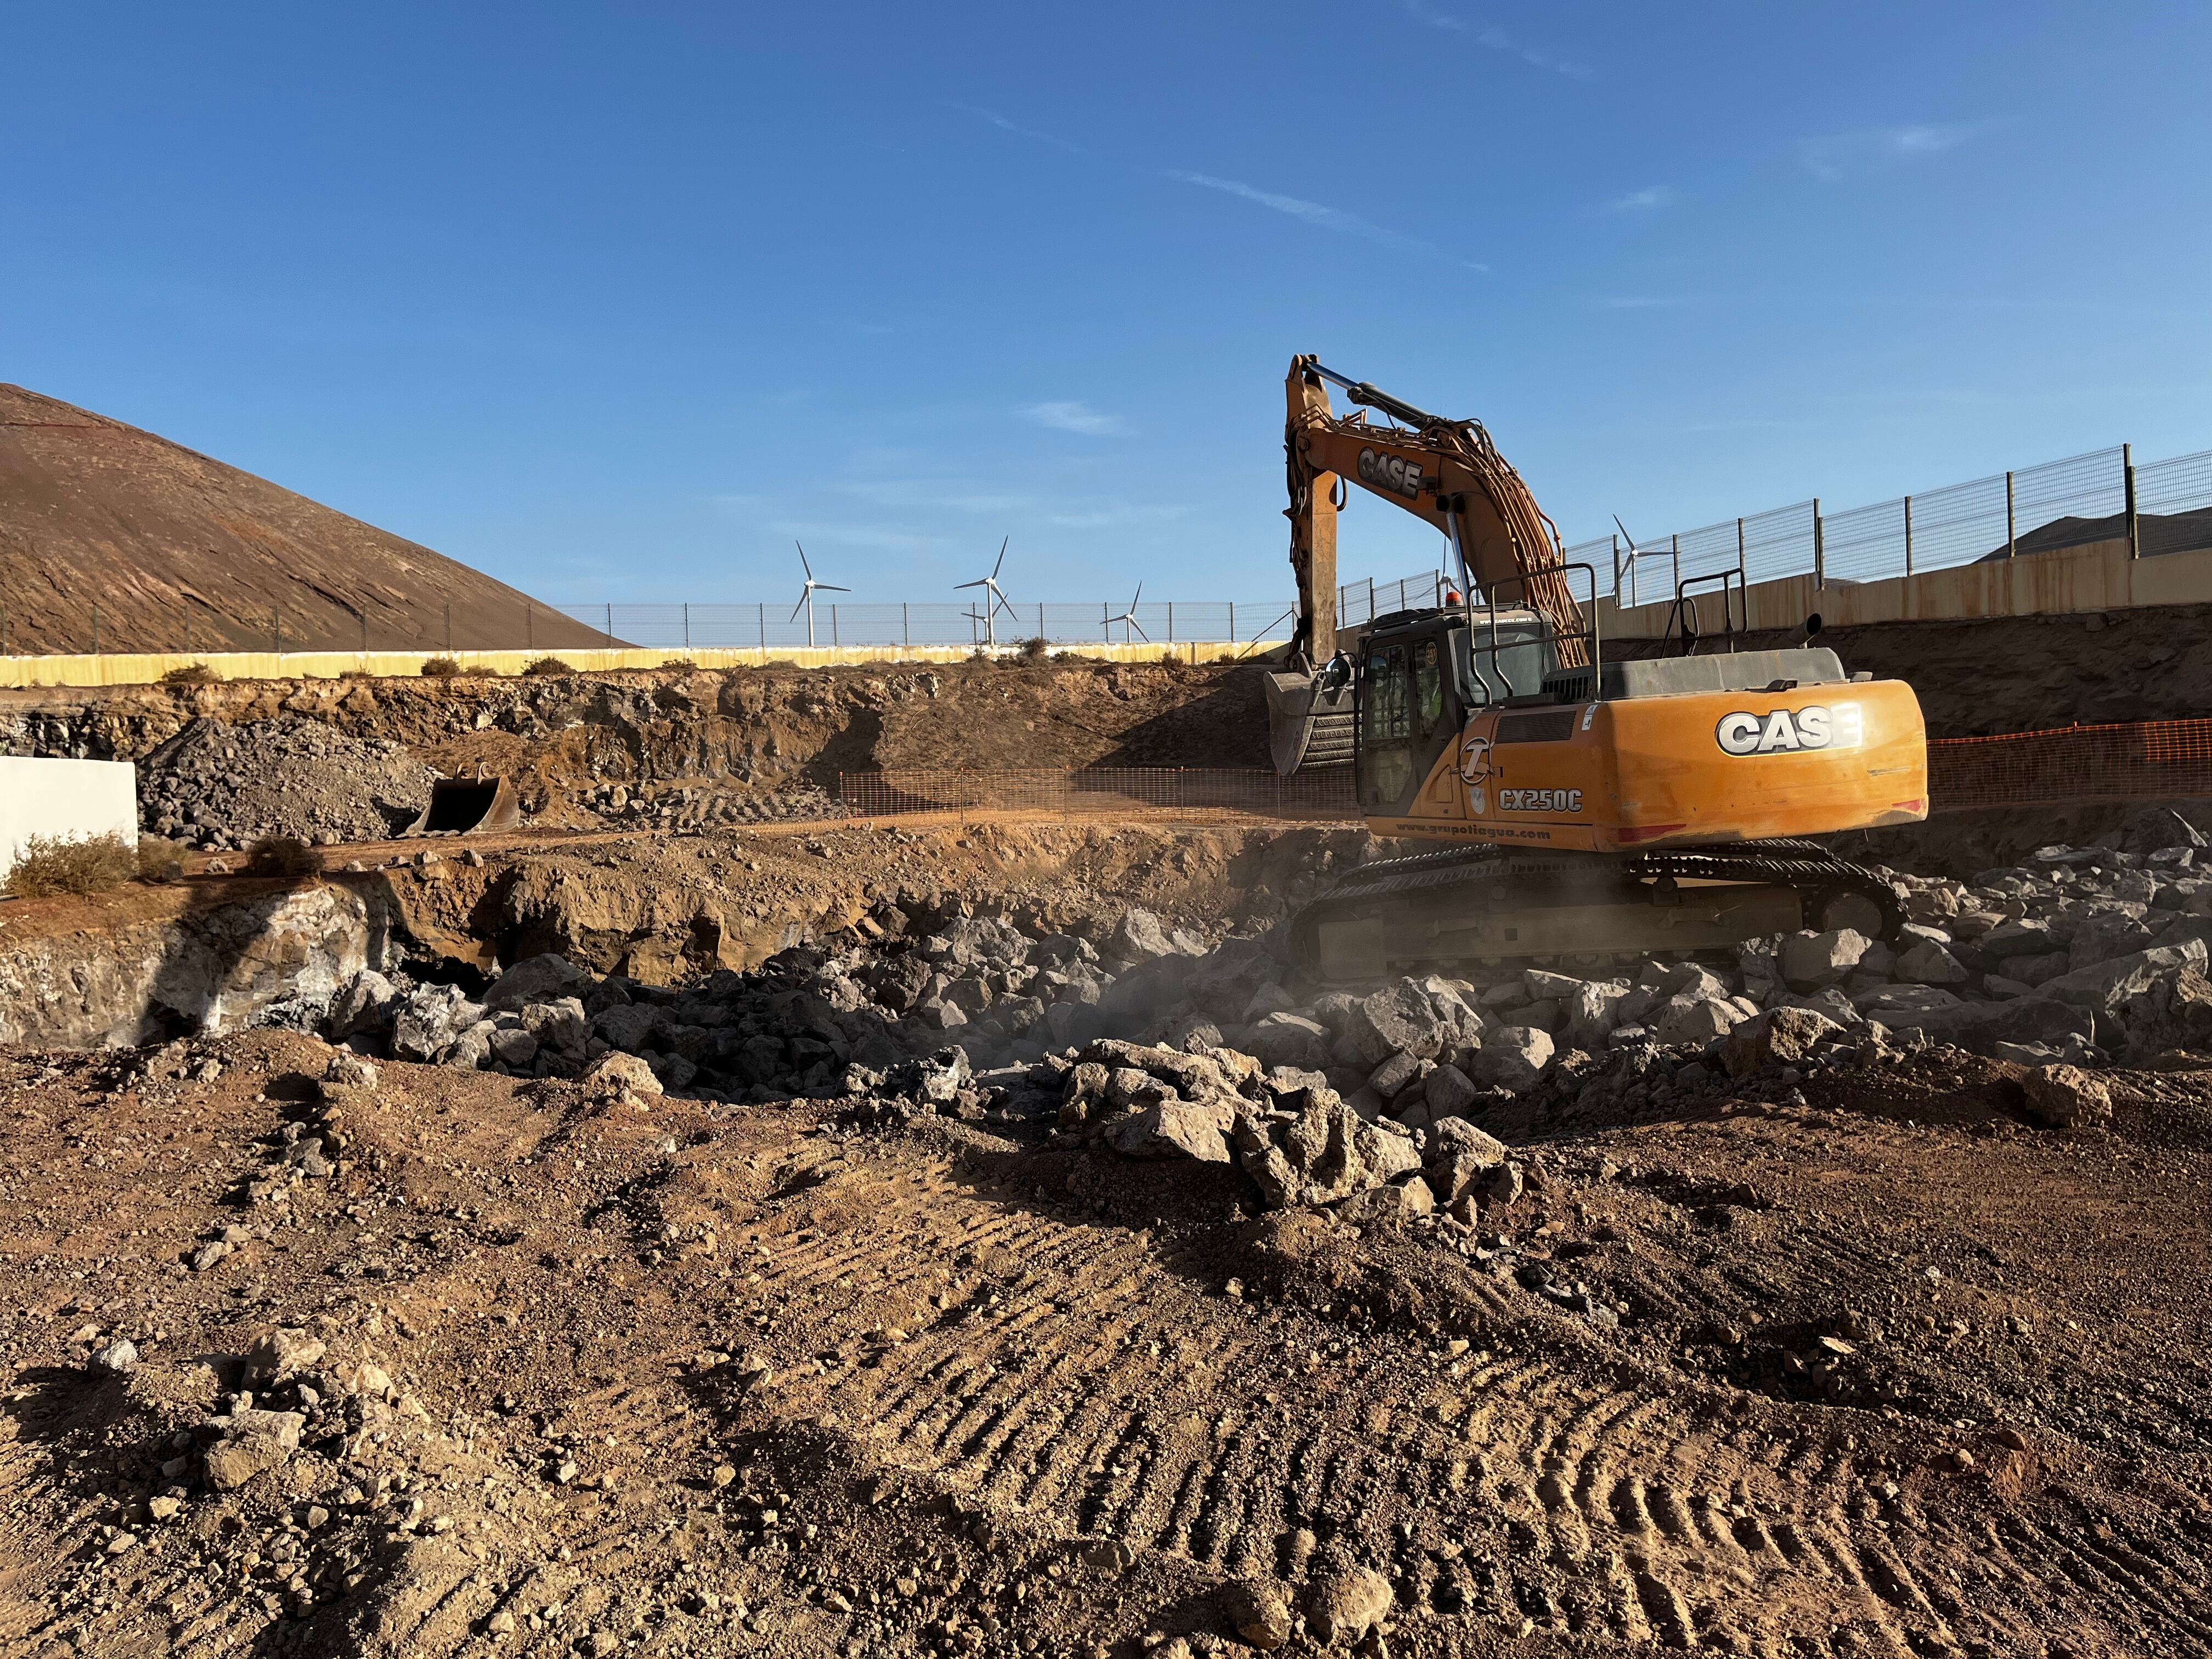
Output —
<point x="357" y="674"/>
<point x="53" y="864"/>
<point x="191" y="673"/>
<point x="555" y="665"/>
<point x="981" y="653"/>
<point x="1171" y="657"/>
<point x="282" y="855"/>
<point x="1034" y="650"/>
<point x="681" y="664"/>
<point x="441" y="668"/>
<point x="159" y="860"/>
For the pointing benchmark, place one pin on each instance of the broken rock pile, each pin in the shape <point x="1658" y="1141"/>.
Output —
<point x="222" y="788"/>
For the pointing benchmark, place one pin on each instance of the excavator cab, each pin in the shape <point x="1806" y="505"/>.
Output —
<point x="1421" y="674"/>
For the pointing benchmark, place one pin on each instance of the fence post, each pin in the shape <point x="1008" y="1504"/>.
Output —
<point x="1232" y="622"/>
<point x="1908" y="536"/>
<point x="610" y="628"/>
<point x="1674" y="547"/>
<point x="763" y="632"/>
<point x="2128" y="469"/>
<point x="2012" y="541"/>
<point x="1105" y="623"/>
<point x="687" y="624"/>
<point x="906" y="627"/>
<point x="1819" y="549"/>
<point x="1742" y="577"/>
<point x="833" y="625"/>
<point x="1171" y="624"/>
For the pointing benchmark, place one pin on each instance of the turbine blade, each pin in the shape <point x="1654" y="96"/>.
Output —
<point x="1005" y="604"/>
<point x="802" y="560"/>
<point x="796" y="609"/>
<point x="956" y="586"/>
<point x="1002" y="557"/>
<point x="1140" y="627"/>
<point x="1140" y="594"/>
<point x="832" y="588"/>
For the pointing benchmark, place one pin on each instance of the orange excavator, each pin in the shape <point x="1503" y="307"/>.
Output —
<point x="1586" y="806"/>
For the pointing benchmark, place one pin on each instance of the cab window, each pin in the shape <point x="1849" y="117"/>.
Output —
<point x="1428" y="689"/>
<point x="1388" y="714"/>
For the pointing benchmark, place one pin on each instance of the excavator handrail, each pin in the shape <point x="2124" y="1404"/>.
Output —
<point x="1592" y="634"/>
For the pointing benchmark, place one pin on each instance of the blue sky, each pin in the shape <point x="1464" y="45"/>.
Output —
<point x="615" y="301"/>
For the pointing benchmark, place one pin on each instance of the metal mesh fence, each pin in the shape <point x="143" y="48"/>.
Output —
<point x="1361" y="602"/>
<point x="771" y="626"/>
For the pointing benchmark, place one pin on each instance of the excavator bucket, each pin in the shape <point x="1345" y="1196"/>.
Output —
<point x="458" y="805"/>
<point x="1308" y="724"/>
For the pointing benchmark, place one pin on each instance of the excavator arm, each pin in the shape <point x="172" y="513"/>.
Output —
<point x="1448" y="473"/>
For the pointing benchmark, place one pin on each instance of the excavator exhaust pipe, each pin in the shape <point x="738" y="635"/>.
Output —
<point x="1309" y="722"/>
<point x="459" y="806"/>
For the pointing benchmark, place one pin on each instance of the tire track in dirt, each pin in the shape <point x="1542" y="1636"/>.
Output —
<point x="1086" y="1377"/>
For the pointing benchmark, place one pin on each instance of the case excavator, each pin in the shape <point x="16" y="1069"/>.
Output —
<point x="1582" y="805"/>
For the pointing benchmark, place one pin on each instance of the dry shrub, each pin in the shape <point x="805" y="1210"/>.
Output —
<point x="678" y="665"/>
<point x="555" y="665"/>
<point x="282" y="855"/>
<point x="440" y="668"/>
<point x="1034" y="650"/>
<point x="159" y="860"/>
<point x="1171" y="657"/>
<point x="191" y="673"/>
<point x="358" y="674"/>
<point x="53" y="864"/>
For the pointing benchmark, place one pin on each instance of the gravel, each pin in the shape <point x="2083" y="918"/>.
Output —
<point x="222" y="788"/>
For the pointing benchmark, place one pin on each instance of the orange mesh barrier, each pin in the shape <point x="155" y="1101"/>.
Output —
<point x="2145" y="760"/>
<point x="2141" y="760"/>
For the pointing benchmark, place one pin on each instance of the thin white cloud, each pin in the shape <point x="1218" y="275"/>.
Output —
<point x="1314" y="213"/>
<point x="1113" y="515"/>
<point x="871" y="537"/>
<point x="1649" y="199"/>
<point x="1496" y="40"/>
<point x="1004" y="125"/>
<point x="933" y="493"/>
<point x="1836" y="155"/>
<point x="1070" y="414"/>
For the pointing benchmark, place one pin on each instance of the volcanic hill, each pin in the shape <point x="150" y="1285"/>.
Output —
<point x="180" y="552"/>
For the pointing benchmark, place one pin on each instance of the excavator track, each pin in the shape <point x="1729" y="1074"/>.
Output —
<point x="1494" y="903"/>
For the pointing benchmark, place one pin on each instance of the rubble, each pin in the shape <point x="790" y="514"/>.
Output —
<point x="222" y="788"/>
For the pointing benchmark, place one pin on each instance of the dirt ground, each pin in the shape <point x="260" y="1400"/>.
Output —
<point x="1892" y="1373"/>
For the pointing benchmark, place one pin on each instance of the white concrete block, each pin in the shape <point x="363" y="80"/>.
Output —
<point x="70" y="800"/>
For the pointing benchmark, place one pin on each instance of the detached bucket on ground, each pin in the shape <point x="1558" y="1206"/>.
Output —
<point x="458" y="805"/>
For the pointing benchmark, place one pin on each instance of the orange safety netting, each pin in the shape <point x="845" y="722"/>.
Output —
<point x="2140" y="760"/>
<point x="2145" y="760"/>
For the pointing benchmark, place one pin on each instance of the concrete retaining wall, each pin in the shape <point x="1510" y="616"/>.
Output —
<point x="145" y="668"/>
<point x="67" y="800"/>
<point x="2099" y="576"/>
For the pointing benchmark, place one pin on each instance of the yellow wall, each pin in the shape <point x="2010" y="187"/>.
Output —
<point x="2099" y="576"/>
<point x="146" y="668"/>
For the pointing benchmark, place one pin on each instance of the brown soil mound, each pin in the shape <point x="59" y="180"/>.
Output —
<point x="181" y="552"/>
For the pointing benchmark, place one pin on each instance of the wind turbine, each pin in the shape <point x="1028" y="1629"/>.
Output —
<point x="994" y="596"/>
<point x="1128" y="619"/>
<point x="806" y="595"/>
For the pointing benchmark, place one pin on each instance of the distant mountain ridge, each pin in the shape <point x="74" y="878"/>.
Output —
<point x="182" y="552"/>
